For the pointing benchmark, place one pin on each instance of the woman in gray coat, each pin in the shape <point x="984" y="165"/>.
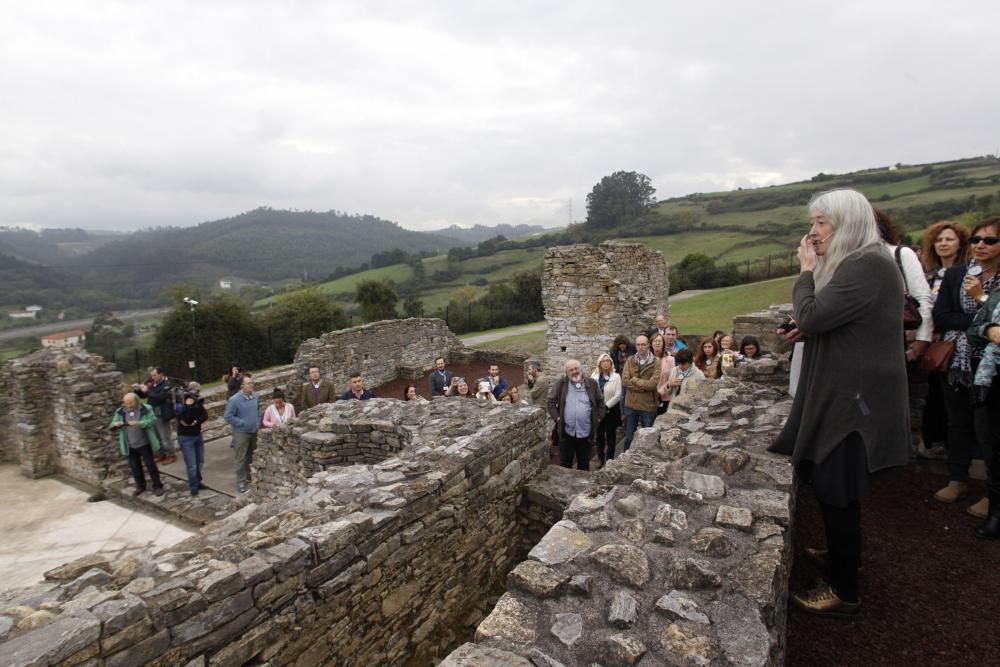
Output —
<point x="850" y="416"/>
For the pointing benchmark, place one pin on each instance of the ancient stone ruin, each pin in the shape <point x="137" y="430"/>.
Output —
<point x="591" y="293"/>
<point x="395" y="533"/>
<point x="55" y="406"/>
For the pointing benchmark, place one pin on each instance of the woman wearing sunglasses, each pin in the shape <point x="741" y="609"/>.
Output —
<point x="964" y="290"/>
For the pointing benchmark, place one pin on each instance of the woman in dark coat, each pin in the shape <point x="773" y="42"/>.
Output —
<point x="963" y="291"/>
<point x="850" y="415"/>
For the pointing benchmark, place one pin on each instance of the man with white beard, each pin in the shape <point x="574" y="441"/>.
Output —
<point x="576" y="405"/>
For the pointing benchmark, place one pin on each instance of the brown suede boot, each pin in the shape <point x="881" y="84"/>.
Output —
<point x="980" y="510"/>
<point x="953" y="492"/>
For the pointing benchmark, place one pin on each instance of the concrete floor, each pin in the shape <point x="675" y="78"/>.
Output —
<point x="218" y="472"/>
<point x="47" y="522"/>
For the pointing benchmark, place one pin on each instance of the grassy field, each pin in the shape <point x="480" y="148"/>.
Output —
<point x="713" y="310"/>
<point x="700" y="314"/>
<point x="529" y="343"/>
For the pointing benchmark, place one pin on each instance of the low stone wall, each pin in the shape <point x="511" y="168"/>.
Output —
<point x="592" y="293"/>
<point x="55" y="406"/>
<point x="320" y="439"/>
<point x="763" y="325"/>
<point x="370" y="564"/>
<point x="380" y="351"/>
<point x="769" y="372"/>
<point x="678" y="553"/>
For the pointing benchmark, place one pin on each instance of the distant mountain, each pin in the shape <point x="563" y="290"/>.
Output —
<point x="477" y="233"/>
<point x="25" y="283"/>
<point x="262" y="245"/>
<point x="51" y="245"/>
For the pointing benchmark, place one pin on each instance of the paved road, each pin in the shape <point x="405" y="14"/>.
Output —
<point x="41" y="329"/>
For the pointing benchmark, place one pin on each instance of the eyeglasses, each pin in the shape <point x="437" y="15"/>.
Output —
<point x="988" y="240"/>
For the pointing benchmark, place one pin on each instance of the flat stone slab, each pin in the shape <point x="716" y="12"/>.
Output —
<point x="564" y="541"/>
<point x="677" y="605"/>
<point x="625" y="563"/>
<point x="537" y="579"/>
<point x="734" y="517"/>
<point x="568" y="628"/>
<point x="476" y="655"/>
<point x="510" y="619"/>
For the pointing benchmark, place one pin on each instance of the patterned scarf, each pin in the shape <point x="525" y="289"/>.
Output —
<point x="991" y="356"/>
<point x="966" y="356"/>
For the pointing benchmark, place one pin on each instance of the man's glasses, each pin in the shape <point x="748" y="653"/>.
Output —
<point x="988" y="240"/>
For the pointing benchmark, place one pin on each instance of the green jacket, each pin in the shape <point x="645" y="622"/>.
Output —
<point x="147" y="421"/>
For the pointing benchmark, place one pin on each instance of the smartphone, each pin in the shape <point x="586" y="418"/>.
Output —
<point x="786" y="326"/>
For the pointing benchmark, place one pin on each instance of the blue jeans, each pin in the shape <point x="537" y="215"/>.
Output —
<point x="193" y="449"/>
<point x="632" y="421"/>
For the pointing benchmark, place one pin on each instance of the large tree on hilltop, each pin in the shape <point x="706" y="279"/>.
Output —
<point x="376" y="299"/>
<point x="618" y="198"/>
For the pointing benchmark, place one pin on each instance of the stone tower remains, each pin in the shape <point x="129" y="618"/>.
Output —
<point x="593" y="293"/>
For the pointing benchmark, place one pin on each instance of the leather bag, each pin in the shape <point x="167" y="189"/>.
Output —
<point x="911" y="308"/>
<point x="937" y="358"/>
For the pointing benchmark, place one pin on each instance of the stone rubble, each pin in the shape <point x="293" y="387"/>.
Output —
<point x="708" y="588"/>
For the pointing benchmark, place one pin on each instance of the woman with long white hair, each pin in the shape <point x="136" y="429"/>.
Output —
<point x="849" y="417"/>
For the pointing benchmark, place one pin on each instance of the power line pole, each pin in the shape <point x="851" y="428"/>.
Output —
<point x="569" y="217"/>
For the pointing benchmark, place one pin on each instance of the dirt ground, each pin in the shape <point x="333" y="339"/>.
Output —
<point x="930" y="589"/>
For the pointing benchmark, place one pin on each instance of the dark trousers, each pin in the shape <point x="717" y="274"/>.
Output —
<point x="632" y="421"/>
<point x="607" y="432"/>
<point x="961" y="430"/>
<point x="987" y="418"/>
<point x="843" y="542"/>
<point x="136" y="457"/>
<point x="917" y="390"/>
<point x="935" y="421"/>
<point x="193" y="450"/>
<point x="570" y="447"/>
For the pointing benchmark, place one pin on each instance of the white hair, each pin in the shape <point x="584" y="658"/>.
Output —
<point x="853" y="221"/>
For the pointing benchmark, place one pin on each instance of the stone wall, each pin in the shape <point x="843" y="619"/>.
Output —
<point x="678" y="553"/>
<point x="55" y="405"/>
<point x="369" y="564"/>
<point x="593" y="293"/>
<point x="763" y="324"/>
<point x="381" y="351"/>
<point x="769" y="372"/>
<point x="320" y="439"/>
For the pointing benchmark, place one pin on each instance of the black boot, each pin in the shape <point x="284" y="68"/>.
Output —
<point x="990" y="529"/>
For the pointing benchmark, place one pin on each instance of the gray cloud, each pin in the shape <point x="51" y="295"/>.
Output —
<point x="123" y="116"/>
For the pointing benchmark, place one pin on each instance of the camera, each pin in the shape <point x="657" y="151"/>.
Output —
<point x="786" y="326"/>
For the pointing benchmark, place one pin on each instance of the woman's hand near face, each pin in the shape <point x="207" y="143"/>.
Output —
<point x="807" y="254"/>
<point x="973" y="287"/>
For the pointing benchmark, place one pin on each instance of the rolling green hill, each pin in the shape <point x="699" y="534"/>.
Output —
<point x="743" y="227"/>
<point x="263" y="245"/>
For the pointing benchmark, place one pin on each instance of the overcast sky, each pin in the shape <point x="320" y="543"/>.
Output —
<point x="121" y="115"/>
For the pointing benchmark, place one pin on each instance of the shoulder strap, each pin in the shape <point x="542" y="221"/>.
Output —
<point x="899" y="263"/>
